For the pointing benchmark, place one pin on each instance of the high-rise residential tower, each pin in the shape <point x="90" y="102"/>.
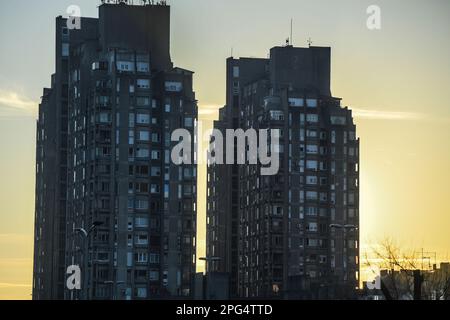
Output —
<point x="109" y="198"/>
<point x="293" y="234"/>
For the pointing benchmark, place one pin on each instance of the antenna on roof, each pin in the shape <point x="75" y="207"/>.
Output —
<point x="292" y="40"/>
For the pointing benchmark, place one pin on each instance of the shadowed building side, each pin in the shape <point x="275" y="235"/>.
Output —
<point x="293" y="235"/>
<point x="124" y="212"/>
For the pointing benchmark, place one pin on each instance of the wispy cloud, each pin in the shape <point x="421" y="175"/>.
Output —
<point x="386" y="115"/>
<point x="4" y="285"/>
<point x="11" y="102"/>
<point x="368" y="114"/>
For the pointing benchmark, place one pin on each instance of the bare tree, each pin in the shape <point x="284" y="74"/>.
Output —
<point x="397" y="272"/>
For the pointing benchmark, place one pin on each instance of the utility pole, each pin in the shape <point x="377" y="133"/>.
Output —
<point x="417" y="285"/>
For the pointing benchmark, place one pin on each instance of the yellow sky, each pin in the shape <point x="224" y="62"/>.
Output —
<point x="396" y="79"/>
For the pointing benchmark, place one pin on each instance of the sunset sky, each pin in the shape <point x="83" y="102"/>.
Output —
<point x="395" y="79"/>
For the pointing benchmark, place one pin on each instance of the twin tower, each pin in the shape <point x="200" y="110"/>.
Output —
<point x="110" y="201"/>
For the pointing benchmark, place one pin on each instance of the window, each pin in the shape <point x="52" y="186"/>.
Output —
<point x="313" y="118"/>
<point x="131" y="120"/>
<point x="125" y="66"/>
<point x="141" y="222"/>
<point x="311" y="180"/>
<point x="302" y="118"/>
<point x="351" y="213"/>
<point x="142" y="204"/>
<point x="351" y="136"/>
<point x="143" y="170"/>
<point x="333" y="137"/>
<point x="142" y="187"/>
<point x="156" y="155"/>
<point x="188" y="122"/>
<point x="311" y="103"/>
<point x="351" y="151"/>
<point x="141" y="257"/>
<point x="338" y="120"/>
<point x="312" y="242"/>
<point x="302" y="134"/>
<point x="155" y="189"/>
<point x="130" y="204"/>
<point x="156" y="172"/>
<point x="174" y="86"/>
<point x="235" y="72"/>
<point x="105" y="117"/>
<point x="144" y="135"/>
<point x="312" y="227"/>
<point x="154" y="275"/>
<point x="142" y="239"/>
<point x="311" y="211"/>
<point x="156" y="138"/>
<point x="143" y="118"/>
<point x="296" y="102"/>
<point x="143" y="83"/>
<point x="143" y="101"/>
<point x="311" y="195"/>
<point x="141" y="292"/>
<point x="131" y="137"/>
<point x="187" y="190"/>
<point x="65" y="50"/>
<point x="311" y="133"/>
<point x="276" y="115"/>
<point x="142" y="153"/>
<point x="187" y="173"/>
<point x="154" y="258"/>
<point x="312" y="149"/>
<point x="143" y="67"/>
<point x="103" y="101"/>
<point x="351" y="198"/>
<point x="312" y="164"/>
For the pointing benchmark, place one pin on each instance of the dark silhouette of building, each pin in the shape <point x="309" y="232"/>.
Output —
<point x="294" y="234"/>
<point x="108" y="197"/>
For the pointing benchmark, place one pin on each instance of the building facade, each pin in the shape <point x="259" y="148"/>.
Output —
<point x="294" y="234"/>
<point x="129" y="214"/>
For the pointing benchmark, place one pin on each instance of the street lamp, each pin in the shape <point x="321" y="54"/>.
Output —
<point x="345" y="228"/>
<point x="85" y="234"/>
<point x="208" y="260"/>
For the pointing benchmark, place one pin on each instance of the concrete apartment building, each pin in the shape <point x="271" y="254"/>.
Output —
<point x="108" y="197"/>
<point x="293" y="235"/>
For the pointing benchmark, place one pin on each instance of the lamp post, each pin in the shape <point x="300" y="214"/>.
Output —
<point x="205" y="279"/>
<point x="208" y="260"/>
<point x="85" y="234"/>
<point x="344" y="228"/>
